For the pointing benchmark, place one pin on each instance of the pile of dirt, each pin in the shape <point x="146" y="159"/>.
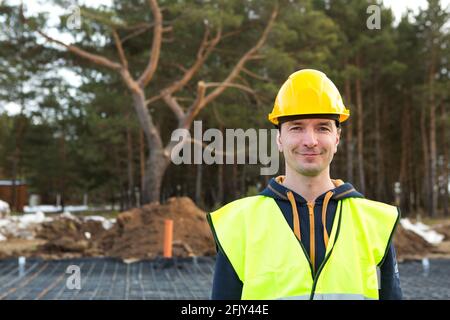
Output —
<point x="72" y="228"/>
<point x="139" y="233"/>
<point x="410" y="246"/>
<point x="444" y="229"/>
<point x="15" y="247"/>
<point x="443" y="249"/>
<point x="69" y="237"/>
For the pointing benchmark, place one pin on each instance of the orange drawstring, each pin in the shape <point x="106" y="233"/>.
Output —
<point x="324" y="216"/>
<point x="294" y="215"/>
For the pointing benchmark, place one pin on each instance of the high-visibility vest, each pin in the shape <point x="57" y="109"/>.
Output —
<point x="272" y="263"/>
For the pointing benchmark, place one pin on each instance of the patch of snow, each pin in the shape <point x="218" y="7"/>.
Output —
<point x="106" y="223"/>
<point x="23" y="226"/>
<point x="43" y="208"/>
<point x="4" y="222"/>
<point x="4" y="207"/>
<point x="68" y="215"/>
<point x="29" y="218"/>
<point x="422" y="230"/>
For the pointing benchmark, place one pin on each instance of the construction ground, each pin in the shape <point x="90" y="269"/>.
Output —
<point x="182" y="278"/>
<point x="121" y="258"/>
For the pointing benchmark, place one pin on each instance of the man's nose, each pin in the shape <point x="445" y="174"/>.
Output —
<point x="309" y="138"/>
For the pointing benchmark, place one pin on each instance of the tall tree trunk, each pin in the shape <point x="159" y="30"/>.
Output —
<point x="157" y="161"/>
<point x="16" y="156"/>
<point x="426" y="160"/>
<point x="157" y="164"/>
<point x="198" y="185"/>
<point x="349" y="133"/>
<point x="119" y="176"/>
<point x="122" y="204"/>
<point x="243" y="186"/>
<point x="433" y="152"/>
<point x="404" y="176"/>
<point x="445" y="164"/>
<point x="141" y="162"/>
<point x="14" y="197"/>
<point x="220" y="188"/>
<point x="130" y="166"/>
<point x="112" y="194"/>
<point x="379" y="158"/>
<point x="62" y="176"/>
<point x="217" y="193"/>
<point x="220" y="167"/>
<point x="360" y="128"/>
<point x="235" y="179"/>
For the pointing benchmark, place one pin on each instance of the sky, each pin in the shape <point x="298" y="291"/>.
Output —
<point x="33" y="6"/>
<point x="399" y="7"/>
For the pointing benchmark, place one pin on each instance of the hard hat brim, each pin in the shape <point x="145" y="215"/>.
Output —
<point x="332" y="116"/>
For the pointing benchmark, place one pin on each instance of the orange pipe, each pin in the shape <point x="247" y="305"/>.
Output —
<point x="168" y="237"/>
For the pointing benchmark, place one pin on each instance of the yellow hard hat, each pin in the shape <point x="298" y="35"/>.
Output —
<point x="307" y="92"/>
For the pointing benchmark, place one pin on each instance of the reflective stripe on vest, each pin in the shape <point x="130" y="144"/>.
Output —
<point x="271" y="263"/>
<point x="329" y="296"/>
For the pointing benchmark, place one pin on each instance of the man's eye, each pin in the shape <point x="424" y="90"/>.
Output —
<point x="296" y="128"/>
<point x="324" y="129"/>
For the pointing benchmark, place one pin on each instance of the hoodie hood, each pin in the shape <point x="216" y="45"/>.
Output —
<point x="342" y="190"/>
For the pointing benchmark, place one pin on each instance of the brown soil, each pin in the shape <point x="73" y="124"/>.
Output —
<point x="442" y="250"/>
<point x="409" y="245"/>
<point x="19" y="247"/>
<point x="71" y="228"/>
<point x="139" y="233"/>
<point x="444" y="229"/>
<point x="67" y="238"/>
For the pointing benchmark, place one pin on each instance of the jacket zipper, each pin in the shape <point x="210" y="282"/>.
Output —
<point x="316" y="276"/>
<point x="312" y="238"/>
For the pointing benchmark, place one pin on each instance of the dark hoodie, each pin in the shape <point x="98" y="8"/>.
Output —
<point x="227" y="285"/>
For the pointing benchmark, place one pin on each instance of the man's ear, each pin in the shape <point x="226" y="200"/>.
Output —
<point x="279" y="144"/>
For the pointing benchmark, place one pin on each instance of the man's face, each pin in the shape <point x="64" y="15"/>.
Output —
<point x="308" y="145"/>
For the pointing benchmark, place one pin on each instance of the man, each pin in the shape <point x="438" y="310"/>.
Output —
<point x="306" y="236"/>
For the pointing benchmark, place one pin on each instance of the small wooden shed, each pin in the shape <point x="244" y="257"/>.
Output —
<point x="15" y="193"/>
